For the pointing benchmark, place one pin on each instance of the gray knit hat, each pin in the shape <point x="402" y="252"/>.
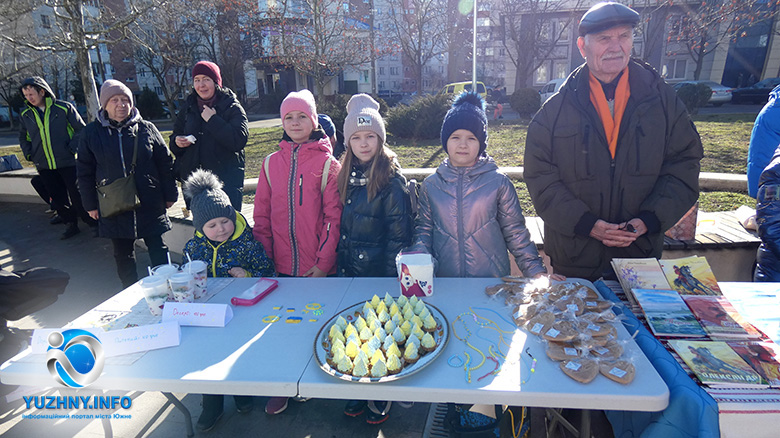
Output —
<point x="207" y="199"/>
<point x="363" y="115"/>
<point x="111" y="88"/>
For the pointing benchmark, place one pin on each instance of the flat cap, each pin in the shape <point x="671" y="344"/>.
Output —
<point x="606" y="15"/>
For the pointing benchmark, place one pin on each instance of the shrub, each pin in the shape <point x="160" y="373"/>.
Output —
<point x="526" y="101"/>
<point x="694" y="96"/>
<point x="149" y="105"/>
<point x="421" y="119"/>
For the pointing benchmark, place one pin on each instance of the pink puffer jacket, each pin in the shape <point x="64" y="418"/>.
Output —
<point x="297" y="222"/>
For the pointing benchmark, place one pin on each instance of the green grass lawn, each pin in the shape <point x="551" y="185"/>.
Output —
<point x="725" y="138"/>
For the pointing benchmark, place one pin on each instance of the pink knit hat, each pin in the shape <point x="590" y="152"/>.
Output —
<point x="302" y="101"/>
<point x="209" y="69"/>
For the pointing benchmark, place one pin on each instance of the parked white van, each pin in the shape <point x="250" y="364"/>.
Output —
<point x="551" y="88"/>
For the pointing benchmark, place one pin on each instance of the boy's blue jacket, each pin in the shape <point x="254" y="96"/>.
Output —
<point x="241" y="250"/>
<point x="468" y="218"/>
<point x="768" y="221"/>
<point x="763" y="140"/>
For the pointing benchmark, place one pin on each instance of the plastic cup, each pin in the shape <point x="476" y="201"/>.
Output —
<point x="198" y="268"/>
<point x="166" y="271"/>
<point x="155" y="290"/>
<point x="183" y="287"/>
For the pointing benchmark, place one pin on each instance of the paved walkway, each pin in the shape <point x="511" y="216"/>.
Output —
<point x="27" y="240"/>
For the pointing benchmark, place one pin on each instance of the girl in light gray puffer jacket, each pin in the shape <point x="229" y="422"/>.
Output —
<point x="469" y="214"/>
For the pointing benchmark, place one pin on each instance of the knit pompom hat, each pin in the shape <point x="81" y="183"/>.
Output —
<point x="111" y="88"/>
<point x="467" y="112"/>
<point x="363" y="115"/>
<point x="207" y="199"/>
<point x="209" y="69"/>
<point x="302" y="101"/>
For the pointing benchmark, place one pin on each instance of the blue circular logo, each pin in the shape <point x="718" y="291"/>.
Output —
<point x="74" y="357"/>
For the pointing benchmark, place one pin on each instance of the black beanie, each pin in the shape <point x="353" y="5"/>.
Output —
<point x="467" y="112"/>
<point x="207" y="199"/>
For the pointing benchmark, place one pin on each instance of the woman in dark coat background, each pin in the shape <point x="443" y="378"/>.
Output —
<point x="213" y="115"/>
<point x="106" y="154"/>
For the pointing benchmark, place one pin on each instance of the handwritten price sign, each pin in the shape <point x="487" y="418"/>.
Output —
<point x="198" y="314"/>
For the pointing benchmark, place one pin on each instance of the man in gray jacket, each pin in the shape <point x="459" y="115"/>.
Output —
<point x="46" y="136"/>
<point x="612" y="159"/>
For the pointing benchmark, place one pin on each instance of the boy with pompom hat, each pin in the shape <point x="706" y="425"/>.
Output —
<point x="487" y="222"/>
<point x="224" y="241"/>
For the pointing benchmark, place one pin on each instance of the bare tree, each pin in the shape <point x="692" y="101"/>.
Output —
<point x="533" y="30"/>
<point x="316" y="38"/>
<point x="652" y="25"/>
<point x="703" y="27"/>
<point x="421" y="29"/>
<point x="79" y="26"/>
<point x="166" y="45"/>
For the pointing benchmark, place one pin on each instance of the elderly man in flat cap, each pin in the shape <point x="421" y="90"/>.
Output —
<point x="611" y="160"/>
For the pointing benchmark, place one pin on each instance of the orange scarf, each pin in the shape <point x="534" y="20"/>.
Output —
<point x="597" y="98"/>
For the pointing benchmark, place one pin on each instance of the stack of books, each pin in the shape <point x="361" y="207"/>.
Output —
<point x="682" y="303"/>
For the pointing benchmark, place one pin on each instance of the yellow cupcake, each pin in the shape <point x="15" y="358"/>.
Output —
<point x="383" y="316"/>
<point x="406" y="327"/>
<point x="375" y="301"/>
<point x="381" y="307"/>
<point x="377" y="357"/>
<point x="428" y="343"/>
<point x="407" y="308"/>
<point x="352" y="349"/>
<point x="411" y="355"/>
<point x="393" y="364"/>
<point x="350" y="329"/>
<point x="393" y="350"/>
<point x="408" y="314"/>
<point x="366" y="307"/>
<point x="390" y="326"/>
<point x="393" y="309"/>
<point x="337" y="337"/>
<point x="365" y="334"/>
<point x="417" y="331"/>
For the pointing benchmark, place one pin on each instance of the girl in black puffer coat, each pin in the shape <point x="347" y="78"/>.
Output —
<point x="376" y="222"/>
<point x="768" y="221"/>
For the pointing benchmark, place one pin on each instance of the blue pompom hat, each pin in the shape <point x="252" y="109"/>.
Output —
<point x="467" y="112"/>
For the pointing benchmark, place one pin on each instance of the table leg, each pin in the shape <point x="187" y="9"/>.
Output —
<point x="187" y="417"/>
<point x="585" y="424"/>
<point x="107" y="431"/>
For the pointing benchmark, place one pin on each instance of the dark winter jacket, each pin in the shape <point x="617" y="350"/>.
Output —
<point x="46" y="138"/>
<point x="374" y="232"/>
<point x="764" y="139"/>
<point x="106" y="153"/>
<point x="220" y="141"/>
<point x="468" y="218"/>
<point x="768" y="221"/>
<point x="240" y="251"/>
<point x="574" y="181"/>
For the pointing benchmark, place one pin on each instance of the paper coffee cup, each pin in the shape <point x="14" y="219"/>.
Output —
<point x="155" y="290"/>
<point x="198" y="268"/>
<point x="183" y="287"/>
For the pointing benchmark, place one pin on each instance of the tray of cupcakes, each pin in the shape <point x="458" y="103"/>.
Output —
<point x="381" y="340"/>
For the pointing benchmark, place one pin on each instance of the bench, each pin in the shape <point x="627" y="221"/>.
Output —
<point x="728" y="247"/>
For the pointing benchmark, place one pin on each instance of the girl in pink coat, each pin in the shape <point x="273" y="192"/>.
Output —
<point x="297" y="209"/>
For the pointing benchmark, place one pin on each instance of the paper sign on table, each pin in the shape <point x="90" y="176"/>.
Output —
<point x="198" y="314"/>
<point x="40" y="337"/>
<point x="142" y="338"/>
<point x="119" y="342"/>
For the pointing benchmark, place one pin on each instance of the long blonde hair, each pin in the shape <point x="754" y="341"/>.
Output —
<point x="382" y="166"/>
